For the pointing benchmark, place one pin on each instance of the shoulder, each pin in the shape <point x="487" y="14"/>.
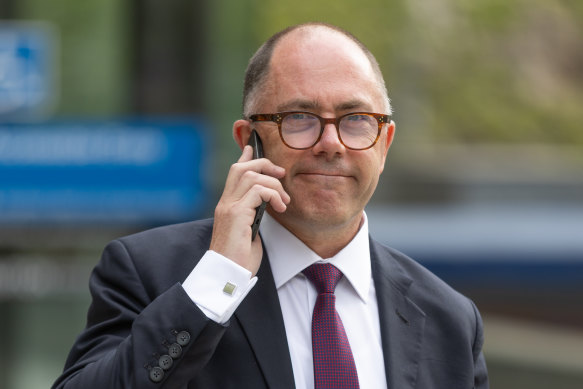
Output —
<point x="426" y="290"/>
<point x="450" y="322"/>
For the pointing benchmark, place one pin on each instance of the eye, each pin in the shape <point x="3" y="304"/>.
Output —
<point x="357" y="117"/>
<point x="301" y="116"/>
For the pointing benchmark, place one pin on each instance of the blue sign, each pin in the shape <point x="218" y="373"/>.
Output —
<point x="27" y="70"/>
<point x="134" y="171"/>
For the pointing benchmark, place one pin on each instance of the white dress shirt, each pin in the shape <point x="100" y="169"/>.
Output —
<point x="356" y="301"/>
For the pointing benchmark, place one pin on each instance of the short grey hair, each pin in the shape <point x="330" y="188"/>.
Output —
<point x="258" y="67"/>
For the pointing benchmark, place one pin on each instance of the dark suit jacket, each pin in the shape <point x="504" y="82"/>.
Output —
<point x="431" y="335"/>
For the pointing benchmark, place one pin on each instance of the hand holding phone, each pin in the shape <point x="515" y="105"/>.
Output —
<point x="249" y="186"/>
<point x="255" y="142"/>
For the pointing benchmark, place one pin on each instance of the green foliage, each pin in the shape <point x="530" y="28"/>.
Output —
<point x="93" y="53"/>
<point x="457" y="70"/>
<point x="472" y="70"/>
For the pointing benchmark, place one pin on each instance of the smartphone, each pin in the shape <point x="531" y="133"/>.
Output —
<point x="255" y="142"/>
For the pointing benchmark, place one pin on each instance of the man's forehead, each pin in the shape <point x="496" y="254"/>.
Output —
<point x="316" y="66"/>
<point x="316" y="35"/>
<point x="318" y="49"/>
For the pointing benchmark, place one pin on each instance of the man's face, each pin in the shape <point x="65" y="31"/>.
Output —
<point x="328" y="75"/>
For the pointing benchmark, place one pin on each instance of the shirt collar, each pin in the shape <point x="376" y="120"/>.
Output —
<point x="288" y="256"/>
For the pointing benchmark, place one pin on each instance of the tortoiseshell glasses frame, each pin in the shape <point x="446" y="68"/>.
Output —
<point x="303" y="130"/>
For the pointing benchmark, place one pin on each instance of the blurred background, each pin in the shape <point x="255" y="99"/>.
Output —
<point x="115" y="116"/>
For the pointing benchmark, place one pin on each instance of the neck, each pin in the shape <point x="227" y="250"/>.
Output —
<point x="324" y="240"/>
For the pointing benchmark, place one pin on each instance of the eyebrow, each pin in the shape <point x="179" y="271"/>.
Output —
<point x="312" y="105"/>
<point x="353" y="105"/>
<point x="300" y="104"/>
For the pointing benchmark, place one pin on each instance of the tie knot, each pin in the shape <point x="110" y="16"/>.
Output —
<point x="324" y="276"/>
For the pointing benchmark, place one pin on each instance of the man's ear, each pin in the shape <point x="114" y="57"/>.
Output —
<point x="241" y="132"/>
<point x="387" y="143"/>
<point x="390" y="136"/>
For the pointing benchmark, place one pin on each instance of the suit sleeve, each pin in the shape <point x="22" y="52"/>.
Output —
<point x="134" y="340"/>
<point x="480" y="370"/>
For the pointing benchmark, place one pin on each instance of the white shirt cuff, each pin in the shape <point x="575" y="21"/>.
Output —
<point x="217" y="286"/>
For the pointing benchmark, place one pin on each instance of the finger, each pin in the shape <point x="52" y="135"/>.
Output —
<point x="257" y="194"/>
<point x="243" y="175"/>
<point x="251" y="178"/>
<point x="261" y="165"/>
<point x="269" y="168"/>
<point x="247" y="154"/>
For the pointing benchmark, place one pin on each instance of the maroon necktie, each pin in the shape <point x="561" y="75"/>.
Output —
<point x="334" y="366"/>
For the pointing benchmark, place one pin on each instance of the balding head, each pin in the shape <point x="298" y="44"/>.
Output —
<point x="257" y="72"/>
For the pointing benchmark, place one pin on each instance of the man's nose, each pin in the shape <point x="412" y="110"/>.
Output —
<point x="329" y="141"/>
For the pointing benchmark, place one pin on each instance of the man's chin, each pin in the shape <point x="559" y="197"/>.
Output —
<point x="321" y="216"/>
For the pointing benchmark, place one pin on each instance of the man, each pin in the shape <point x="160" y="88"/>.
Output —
<point x="202" y="305"/>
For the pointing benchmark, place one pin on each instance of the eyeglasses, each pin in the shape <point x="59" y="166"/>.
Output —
<point x="302" y="130"/>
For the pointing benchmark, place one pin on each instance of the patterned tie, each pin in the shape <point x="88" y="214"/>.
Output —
<point x="334" y="366"/>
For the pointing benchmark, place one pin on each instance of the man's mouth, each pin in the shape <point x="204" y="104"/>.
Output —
<point x="320" y="176"/>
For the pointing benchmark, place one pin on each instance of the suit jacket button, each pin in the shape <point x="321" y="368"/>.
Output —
<point x="183" y="338"/>
<point x="165" y="362"/>
<point x="156" y="374"/>
<point x="175" y="351"/>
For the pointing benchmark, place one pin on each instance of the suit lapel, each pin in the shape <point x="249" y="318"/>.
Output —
<point x="402" y="322"/>
<point x="261" y="319"/>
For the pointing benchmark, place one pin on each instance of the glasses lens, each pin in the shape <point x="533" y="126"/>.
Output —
<point x="359" y="131"/>
<point x="300" y="130"/>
